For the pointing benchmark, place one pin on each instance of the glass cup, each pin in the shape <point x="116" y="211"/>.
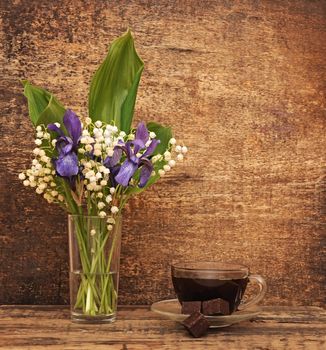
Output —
<point x="94" y="268"/>
<point x="200" y="281"/>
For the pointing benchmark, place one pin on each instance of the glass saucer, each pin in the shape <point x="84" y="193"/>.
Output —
<point x="172" y="309"/>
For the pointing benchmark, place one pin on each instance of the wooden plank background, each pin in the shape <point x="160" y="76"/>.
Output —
<point x="242" y="83"/>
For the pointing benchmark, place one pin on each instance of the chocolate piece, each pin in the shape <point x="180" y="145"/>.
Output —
<point x="196" y="324"/>
<point x="189" y="307"/>
<point x="216" y="307"/>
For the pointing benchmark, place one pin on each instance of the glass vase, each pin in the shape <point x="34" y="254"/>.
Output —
<point x="94" y="250"/>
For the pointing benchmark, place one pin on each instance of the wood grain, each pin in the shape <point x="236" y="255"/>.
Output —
<point x="242" y="83"/>
<point x="42" y="327"/>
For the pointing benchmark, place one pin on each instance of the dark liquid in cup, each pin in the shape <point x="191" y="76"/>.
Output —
<point x="196" y="289"/>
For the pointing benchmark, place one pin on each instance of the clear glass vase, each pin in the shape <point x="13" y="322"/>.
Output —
<point x="94" y="250"/>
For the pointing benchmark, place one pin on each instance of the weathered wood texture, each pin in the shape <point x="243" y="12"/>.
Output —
<point x="243" y="84"/>
<point x="42" y="327"/>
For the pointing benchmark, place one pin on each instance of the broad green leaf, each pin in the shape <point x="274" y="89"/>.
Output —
<point x="164" y="134"/>
<point x="43" y="106"/>
<point x="114" y="86"/>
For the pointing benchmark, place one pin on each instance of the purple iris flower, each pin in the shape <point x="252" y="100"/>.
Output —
<point x="123" y="174"/>
<point x="112" y="164"/>
<point x="66" y="164"/>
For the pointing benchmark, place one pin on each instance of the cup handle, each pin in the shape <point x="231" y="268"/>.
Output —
<point x="262" y="291"/>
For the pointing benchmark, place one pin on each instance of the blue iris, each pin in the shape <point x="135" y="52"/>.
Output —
<point x="66" y="165"/>
<point x="134" y="160"/>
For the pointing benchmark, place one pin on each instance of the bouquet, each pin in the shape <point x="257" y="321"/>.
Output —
<point x="92" y="166"/>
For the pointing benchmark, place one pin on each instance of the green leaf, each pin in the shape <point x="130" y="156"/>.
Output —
<point x="114" y="86"/>
<point x="43" y="107"/>
<point x="164" y="134"/>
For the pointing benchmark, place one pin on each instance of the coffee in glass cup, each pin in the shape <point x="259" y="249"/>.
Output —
<point x="203" y="281"/>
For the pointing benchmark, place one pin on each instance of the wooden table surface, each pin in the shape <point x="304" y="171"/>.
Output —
<point x="49" y="327"/>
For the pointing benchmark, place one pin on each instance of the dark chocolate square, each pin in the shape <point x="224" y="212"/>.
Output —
<point x="216" y="307"/>
<point x="189" y="307"/>
<point x="196" y="324"/>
